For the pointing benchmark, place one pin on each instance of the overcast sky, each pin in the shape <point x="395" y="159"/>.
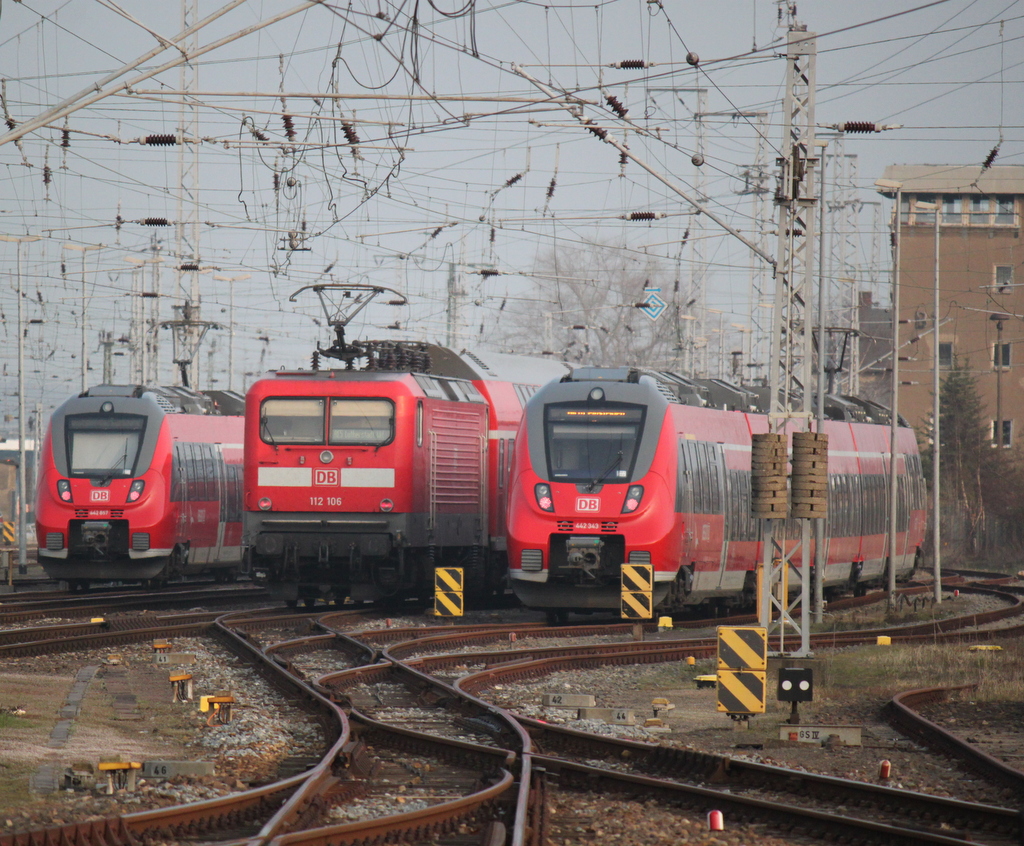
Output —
<point x="427" y="156"/>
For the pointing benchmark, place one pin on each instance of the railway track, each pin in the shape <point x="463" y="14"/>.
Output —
<point x="392" y="716"/>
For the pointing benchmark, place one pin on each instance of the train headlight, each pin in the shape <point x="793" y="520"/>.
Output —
<point x="326" y="456"/>
<point x="386" y="505"/>
<point x="543" y="494"/>
<point x="633" y="497"/>
<point x="64" y="490"/>
<point x="135" y="491"/>
<point x="264" y="503"/>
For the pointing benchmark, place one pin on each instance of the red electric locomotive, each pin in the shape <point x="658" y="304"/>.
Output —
<point x="610" y="467"/>
<point x="143" y="484"/>
<point x="359" y="481"/>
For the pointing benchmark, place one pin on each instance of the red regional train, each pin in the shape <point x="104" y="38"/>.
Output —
<point x="142" y="484"/>
<point x="610" y="467"/>
<point x="359" y="480"/>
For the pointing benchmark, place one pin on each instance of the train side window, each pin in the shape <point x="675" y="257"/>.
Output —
<point x="362" y="421"/>
<point x="419" y="423"/>
<point x="292" y="420"/>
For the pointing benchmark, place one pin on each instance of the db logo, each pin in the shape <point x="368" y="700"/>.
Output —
<point x="326" y="476"/>
<point x="588" y="503"/>
<point x="100" y="496"/>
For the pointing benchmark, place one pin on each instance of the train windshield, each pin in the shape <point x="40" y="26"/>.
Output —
<point x="593" y="444"/>
<point x="104" y="445"/>
<point x="287" y="420"/>
<point x="362" y="421"/>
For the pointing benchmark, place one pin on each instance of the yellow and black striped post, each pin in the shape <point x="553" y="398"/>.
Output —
<point x="742" y="666"/>
<point x="448" y="592"/>
<point x="637" y="589"/>
<point x="9" y="534"/>
<point x="741" y="691"/>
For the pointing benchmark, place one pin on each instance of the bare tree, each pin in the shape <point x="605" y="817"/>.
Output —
<point x="586" y="303"/>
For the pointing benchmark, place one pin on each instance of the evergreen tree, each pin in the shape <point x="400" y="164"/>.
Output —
<point x="978" y="480"/>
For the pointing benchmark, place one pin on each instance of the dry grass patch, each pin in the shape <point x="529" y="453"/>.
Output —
<point x="894" y="669"/>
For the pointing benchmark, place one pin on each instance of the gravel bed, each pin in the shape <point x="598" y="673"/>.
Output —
<point x="263" y="731"/>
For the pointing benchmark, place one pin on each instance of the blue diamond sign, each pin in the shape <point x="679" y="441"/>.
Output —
<point x="653" y="305"/>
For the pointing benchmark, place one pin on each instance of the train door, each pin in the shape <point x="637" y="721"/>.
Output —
<point x="219" y="495"/>
<point x="720" y="514"/>
<point x="685" y="480"/>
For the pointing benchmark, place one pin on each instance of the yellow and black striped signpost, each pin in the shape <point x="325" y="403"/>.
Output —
<point x="637" y="589"/>
<point x="9" y="535"/>
<point x="742" y="669"/>
<point x="448" y="592"/>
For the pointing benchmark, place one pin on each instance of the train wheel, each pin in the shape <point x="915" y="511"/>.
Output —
<point x="292" y="603"/>
<point x="557" y="616"/>
<point x="308" y="601"/>
<point x="76" y="585"/>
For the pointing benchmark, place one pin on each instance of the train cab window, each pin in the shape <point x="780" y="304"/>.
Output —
<point x="101" y="445"/>
<point x="362" y="421"/>
<point x="292" y="420"/>
<point x="592" y="443"/>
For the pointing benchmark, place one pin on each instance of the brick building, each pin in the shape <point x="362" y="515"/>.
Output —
<point x="981" y="285"/>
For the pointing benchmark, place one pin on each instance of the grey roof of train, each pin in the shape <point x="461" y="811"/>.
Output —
<point x="514" y="368"/>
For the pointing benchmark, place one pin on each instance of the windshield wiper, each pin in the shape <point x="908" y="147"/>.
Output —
<point x="615" y="463"/>
<point x="265" y="432"/>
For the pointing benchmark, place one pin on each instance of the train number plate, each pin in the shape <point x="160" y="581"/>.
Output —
<point x="587" y="527"/>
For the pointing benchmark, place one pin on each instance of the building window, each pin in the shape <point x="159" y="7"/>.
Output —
<point x="1003" y="211"/>
<point x="1004" y="277"/>
<point x="979" y="211"/>
<point x="946" y="355"/>
<point x="1001" y="355"/>
<point x="924" y="217"/>
<point x="952" y="210"/>
<point x="1007" y="439"/>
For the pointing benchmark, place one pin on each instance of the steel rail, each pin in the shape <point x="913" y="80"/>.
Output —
<point x="901" y="713"/>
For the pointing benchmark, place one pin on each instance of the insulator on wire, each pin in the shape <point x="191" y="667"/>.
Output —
<point x="350" y="133"/>
<point x="47" y="175"/>
<point x="436" y="232"/>
<point x="616" y="106"/>
<point x="599" y="132"/>
<point x="277" y="181"/>
<point x="65" y="138"/>
<point x="189" y="267"/>
<point x="289" y="126"/>
<point x="643" y="216"/>
<point x="488" y="271"/>
<point x="858" y="126"/>
<point x="512" y="180"/>
<point x="155" y="221"/>
<point x="623" y="159"/>
<point x="991" y="157"/>
<point x="118" y="222"/>
<point x="164" y="140"/>
<point x="551" y="187"/>
<point x="257" y="133"/>
<point x="631" y="64"/>
<point x="493" y="233"/>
